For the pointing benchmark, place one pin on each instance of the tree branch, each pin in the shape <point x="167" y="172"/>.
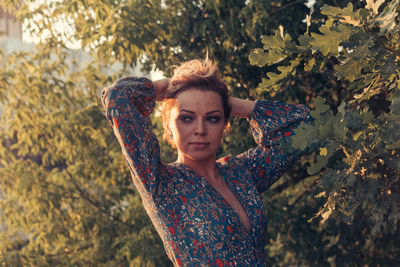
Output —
<point x="147" y="31"/>
<point x="290" y="4"/>
<point x="94" y="203"/>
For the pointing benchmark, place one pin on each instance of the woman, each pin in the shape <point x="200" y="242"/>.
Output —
<point x="207" y="212"/>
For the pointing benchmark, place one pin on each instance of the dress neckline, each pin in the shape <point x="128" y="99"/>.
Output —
<point x="228" y="183"/>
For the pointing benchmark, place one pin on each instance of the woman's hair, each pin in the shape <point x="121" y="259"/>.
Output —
<point x="201" y="74"/>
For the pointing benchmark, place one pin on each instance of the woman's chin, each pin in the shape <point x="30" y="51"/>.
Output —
<point x="201" y="155"/>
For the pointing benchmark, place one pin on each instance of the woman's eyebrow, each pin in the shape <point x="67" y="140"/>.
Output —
<point x="185" y="110"/>
<point x="192" y="112"/>
<point x="213" y="111"/>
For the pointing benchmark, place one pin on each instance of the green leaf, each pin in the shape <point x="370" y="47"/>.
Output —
<point x="304" y="40"/>
<point x="318" y="165"/>
<point x="304" y="136"/>
<point x="395" y="106"/>
<point x="339" y="127"/>
<point x="276" y="78"/>
<point x="345" y="15"/>
<point x="322" y="159"/>
<point x="258" y="57"/>
<point x="309" y="64"/>
<point x="325" y="130"/>
<point x="275" y="41"/>
<point x="320" y="105"/>
<point x="328" y="42"/>
<point x="395" y="145"/>
<point x="275" y="56"/>
<point x="330" y="180"/>
<point x="350" y="70"/>
<point x="367" y="117"/>
<point x="393" y="163"/>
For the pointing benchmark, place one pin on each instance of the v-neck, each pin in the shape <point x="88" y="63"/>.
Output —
<point x="230" y="186"/>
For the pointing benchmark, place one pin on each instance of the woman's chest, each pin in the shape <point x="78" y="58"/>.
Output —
<point x="233" y="200"/>
<point x="232" y="208"/>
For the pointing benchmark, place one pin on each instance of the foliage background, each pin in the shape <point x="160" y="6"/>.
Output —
<point x="68" y="198"/>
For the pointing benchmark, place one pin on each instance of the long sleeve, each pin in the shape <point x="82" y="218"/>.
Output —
<point x="128" y="103"/>
<point x="271" y="122"/>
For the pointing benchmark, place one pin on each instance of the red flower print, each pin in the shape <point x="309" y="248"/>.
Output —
<point x="172" y="230"/>
<point x="184" y="200"/>
<point x="287" y="134"/>
<point x="167" y="188"/>
<point x="116" y="123"/>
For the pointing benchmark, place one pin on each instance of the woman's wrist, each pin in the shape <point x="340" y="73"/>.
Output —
<point x="241" y="107"/>
<point x="161" y="87"/>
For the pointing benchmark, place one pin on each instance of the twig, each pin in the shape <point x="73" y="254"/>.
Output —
<point x="290" y="4"/>
<point x="96" y="204"/>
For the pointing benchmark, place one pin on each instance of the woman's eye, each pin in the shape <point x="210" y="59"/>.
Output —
<point x="185" y="118"/>
<point x="214" y="119"/>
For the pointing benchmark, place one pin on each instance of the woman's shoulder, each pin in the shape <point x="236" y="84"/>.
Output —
<point x="230" y="161"/>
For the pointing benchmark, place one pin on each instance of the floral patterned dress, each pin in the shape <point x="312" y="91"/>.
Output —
<point x="196" y="224"/>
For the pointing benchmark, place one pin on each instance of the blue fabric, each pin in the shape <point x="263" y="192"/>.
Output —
<point x="196" y="224"/>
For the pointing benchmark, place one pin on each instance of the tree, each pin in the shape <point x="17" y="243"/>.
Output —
<point x="66" y="190"/>
<point x="83" y="177"/>
<point x="358" y="163"/>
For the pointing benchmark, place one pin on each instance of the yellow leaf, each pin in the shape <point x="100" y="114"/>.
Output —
<point x="323" y="151"/>
<point x="357" y="135"/>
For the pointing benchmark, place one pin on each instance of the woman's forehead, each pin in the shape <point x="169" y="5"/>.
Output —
<point x="196" y="98"/>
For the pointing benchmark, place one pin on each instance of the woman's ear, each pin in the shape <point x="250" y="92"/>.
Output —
<point x="226" y="129"/>
<point x="170" y="136"/>
<point x="167" y="129"/>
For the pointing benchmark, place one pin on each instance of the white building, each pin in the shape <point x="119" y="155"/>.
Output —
<point x="9" y="25"/>
<point x="11" y="40"/>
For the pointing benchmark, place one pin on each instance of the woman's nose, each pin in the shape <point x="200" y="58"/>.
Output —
<point x="201" y="128"/>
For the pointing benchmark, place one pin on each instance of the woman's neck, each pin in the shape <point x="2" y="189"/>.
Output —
<point x="206" y="168"/>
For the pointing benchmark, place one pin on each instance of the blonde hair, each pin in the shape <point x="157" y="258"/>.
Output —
<point x="203" y="75"/>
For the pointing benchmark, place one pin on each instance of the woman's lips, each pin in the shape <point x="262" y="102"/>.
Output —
<point x="199" y="145"/>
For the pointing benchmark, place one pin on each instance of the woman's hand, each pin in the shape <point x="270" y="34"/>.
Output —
<point x="241" y="107"/>
<point x="161" y="87"/>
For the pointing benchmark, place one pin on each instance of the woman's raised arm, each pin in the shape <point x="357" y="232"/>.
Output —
<point x="161" y="87"/>
<point x="128" y="103"/>
<point x="270" y="122"/>
<point x="241" y="107"/>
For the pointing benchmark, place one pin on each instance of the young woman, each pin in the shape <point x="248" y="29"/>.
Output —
<point x="207" y="212"/>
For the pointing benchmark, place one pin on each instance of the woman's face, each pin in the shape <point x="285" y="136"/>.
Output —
<point x="197" y="124"/>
